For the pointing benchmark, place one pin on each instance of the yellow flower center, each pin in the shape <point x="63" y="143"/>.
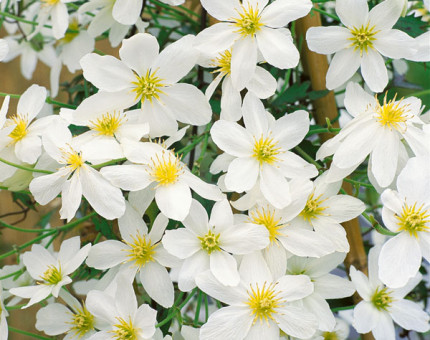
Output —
<point x="330" y="336"/>
<point x="73" y="159"/>
<point x="264" y="301"/>
<point x="382" y="299"/>
<point x="166" y="169"/>
<point x="265" y="150"/>
<point x="223" y="62"/>
<point x="362" y="37"/>
<point x="52" y="275"/>
<point x="392" y="115"/>
<point x="107" y="124"/>
<point x="313" y="208"/>
<point x="148" y="87"/>
<point x="83" y="322"/>
<point x="73" y="26"/>
<point x="267" y="219"/>
<point x="49" y="2"/>
<point x="124" y="330"/>
<point x="20" y="130"/>
<point x="414" y="219"/>
<point x="248" y="22"/>
<point x="210" y="242"/>
<point x="142" y="251"/>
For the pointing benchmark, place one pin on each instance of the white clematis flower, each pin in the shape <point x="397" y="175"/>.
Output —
<point x="51" y="273"/>
<point x="139" y="252"/>
<point x="249" y="27"/>
<point x="260" y="151"/>
<point x="377" y="130"/>
<point x="143" y="74"/>
<point x="260" y="306"/>
<point x="75" y="179"/>
<point x="366" y="37"/>
<point x="160" y="171"/>
<point x="382" y="305"/>
<point x="407" y="212"/>
<point x="208" y="244"/>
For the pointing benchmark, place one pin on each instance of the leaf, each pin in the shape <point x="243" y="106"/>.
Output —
<point x="411" y="25"/>
<point x="292" y="94"/>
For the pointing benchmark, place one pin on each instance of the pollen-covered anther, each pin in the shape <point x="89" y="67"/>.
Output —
<point x="52" y="275"/>
<point x="414" y="219"/>
<point x="382" y="299"/>
<point x="264" y="301"/>
<point x="266" y="218"/>
<point x="20" y="130"/>
<point x="107" y="124"/>
<point x="142" y="250"/>
<point x="363" y="37"/>
<point x="82" y="322"/>
<point x="393" y="114"/>
<point x="248" y="22"/>
<point x="265" y="150"/>
<point x="72" y="158"/>
<point x="148" y="87"/>
<point x="210" y="242"/>
<point x="124" y="330"/>
<point x="313" y="207"/>
<point x="223" y="63"/>
<point x="166" y="169"/>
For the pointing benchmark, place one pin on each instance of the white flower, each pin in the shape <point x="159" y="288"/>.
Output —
<point x="49" y="272"/>
<point x="262" y="84"/>
<point x="423" y="47"/>
<point x="324" y="210"/>
<point x="366" y="37"/>
<point x="119" y="312"/>
<point x="407" y="212"/>
<point x="108" y="130"/>
<point x="377" y="130"/>
<point x="3" y="315"/>
<point x="160" y="172"/>
<point x="382" y="305"/>
<point x="250" y="27"/>
<point x="74" y="179"/>
<point x="260" y="151"/>
<point x="138" y="252"/>
<point x="208" y="244"/>
<point x="75" y="320"/>
<point x="4" y="49"/>
<point x="143" y="74"/>
<point x="259" y="307"/>
<point x="326" y="285"/>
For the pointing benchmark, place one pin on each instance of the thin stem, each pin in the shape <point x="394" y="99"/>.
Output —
<point x="335" y="17"/>
<point x="337" y="309"/>
<point x="49" y="100"/>
<point x="375" y="224"/>
<point x="22" y="167"/>
<point x="367" y="185"/>
<point x="173" y="313"/>
<point x="20" y="331"/>
<point x="112" y="162"/>
<point x="9" y="226"/>
<point x="307" y="157"/>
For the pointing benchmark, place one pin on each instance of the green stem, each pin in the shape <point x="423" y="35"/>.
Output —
<point x="335" y="17"/>
<point x="4" y="224"/>
<point x="199" y="305"/>
<point x="323" y="130"/>
<point x="337" y="309"/>
<point x="49" y="100"/>
<point x="22" y="167"/>
<point x="367" y="185"/>
<point x="380" y="229"/>
<point x="421" y="93"/>
<point x="307" y="157"/>
<point x="20" y="331"/>
<point x="18" y="272"/>
<point x="112" y="162"/>
<point x="173" y="313"/>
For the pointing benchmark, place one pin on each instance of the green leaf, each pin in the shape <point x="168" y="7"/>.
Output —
<point x="292" y="94"/>
<point x="411" y="25"/>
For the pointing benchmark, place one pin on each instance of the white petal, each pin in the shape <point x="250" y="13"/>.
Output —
<point x="357" y="101"/>
<point x="242" y="174"/>
<point x="333" y="287"/>
<point x="240" y="146"/>
<point x="409" y="315"/>
<point x="385" y="14"/>
<point x="71" y="195"/>
<point x="181" y="243"/>
<point x="53" y="319"/>
<point x="361" y="283"/>
<point x="157" y="283"/>
<point x="277" y="47"/>
<point x="327" y="40"/>
<point x="291" y="129"/>
<point x="296" y="322"/>
<point x="384" y="328"/>
<point x="352" y="13"/>
<point x="366" y="317"/>
<point x="216" y="38"/>
<point x="342" y="67"/>
<point x="191" y="267"/>
<point x="343" y="208"/>
<point x="106" y="254"/>
<point x="128" y="177"/>
<point x="127" y="12"/>
<point x="31" y="101"/>
<point x="60" y="19"/>
<point x="395" y="44"/>
<point x="280" y="13"/>
<point x="46" y="188"/>
<point x="262" y="84"/>
<point x="139" y="52"/>
<point x="224" y="268"/>
<point x="244" y="238"/>
<point x="302" y="242"/>
<point x="243" y="62"/>
<point x="254" y="116"/>
<point x="374" y="71"/>
<point x="197" y="219"/>
<point x="222" y="11"/>
<point x="174" y="200"/>
<point x="274" y="187"/>
<point x="385" y="157"/>
<point x="294" y="287"/>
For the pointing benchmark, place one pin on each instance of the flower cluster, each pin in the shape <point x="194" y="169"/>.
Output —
<point x="217" y="213"/>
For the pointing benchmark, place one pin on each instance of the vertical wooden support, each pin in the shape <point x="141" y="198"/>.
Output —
<point x="315" y="66"/>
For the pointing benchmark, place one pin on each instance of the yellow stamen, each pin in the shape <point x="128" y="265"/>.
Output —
<point x="108" y="124"/>
<point x="330" y="336"/>
<point x="20" y="130"/>
<point x="82" y="322"/>
<point x="313" y="208"/>
<point x="124" y="330"/>
<point x="73" y="159"/>
<point x="393" y="115"/>
<point x="210" y="242"/>
<point x="267" y="219"/>
<point x="142" y="251"/>
<point x="148" y="87"/>
<point x="363" y="37"/>
<point x="166" y="169"/>
<point x="414" y="219"/>
<point x="52" y="275"/>
<point x="73" y="26"/>
<point x="248" y="22"/>
<point x="264" y="302"/>
<point x="382" y="299"/>
<point x="49" y="2"/>
<point x="265" y="150"/>
<point x="223" y="62"/>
